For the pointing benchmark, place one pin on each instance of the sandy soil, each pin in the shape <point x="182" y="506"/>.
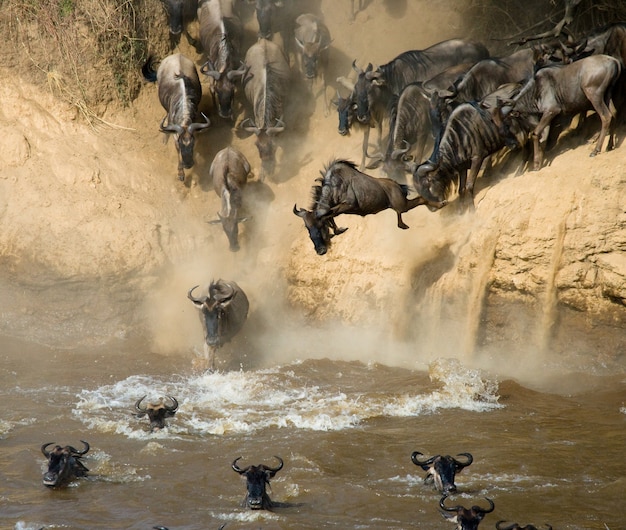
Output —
<point x="98" y="230"/>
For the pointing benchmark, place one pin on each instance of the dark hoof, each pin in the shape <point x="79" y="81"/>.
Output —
<point x="340" y="231"/>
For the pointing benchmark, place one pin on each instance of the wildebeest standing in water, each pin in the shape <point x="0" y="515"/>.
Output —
<point x="180" y="94"/>
<point x="223" y="313"/>
<point x="344" y="189"/>
<point x="229" y="172"/>
<point x="313" y="40"/>
<point x="465" y="518"/>
<point x="257" y="479"/>
<point x="63" y="464"/>
<point x="220" y="34"/>
<point x="265" y="85"/>
<point x="157" y="412"/>
<point x="441" y="470"/>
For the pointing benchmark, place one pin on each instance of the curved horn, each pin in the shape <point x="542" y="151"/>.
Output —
<point x="483" y="510"/>
<point x="250" y="128"/>
<point x="43" y="449"/>
<point x="219" y="296"/>
<point x="279" y="127"/>
<point x="300" y="212"/>
<point x="276" y="469"/>
<point x="138" y="405"/>
<point x="469" y="457"/>
<point x="499" y="526"/>
<point x="199" y="126"/>
<point x="171" y="127"/>
<point x="397" y="152"/>
<point x="444" y="507"/>
<point x="232" y="74"/>
<point x="237" y="468"/>
<point x="84" y="451"/>
<point x="425" y="168"/>
<point x="192" y="298"/>
<point x="300" y="43"/>
<point x="417" y="462"/>
<point x="208" y="69"/>
<point x="356" y="68"/>
<point x="174" y="406"/>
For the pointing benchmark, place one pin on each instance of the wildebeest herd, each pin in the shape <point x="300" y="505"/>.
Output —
<point x="452" y="95"/>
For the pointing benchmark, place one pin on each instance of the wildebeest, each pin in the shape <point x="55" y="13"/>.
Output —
<point x="441" y="470"/>
<point x="180" y="13"/>
<point x="409" y="67"/>
<point x="157" y="412"/>
<point x="466" y="518"/>
<point x="516" y="526"/>
<point x="180" y="94"/>
<point x="346" y="112"/>
<point x="229" y="173"/>
<point x="257" y="478"/>
<point x="313" y="40"/>
<point x="410" y="129"/>
<point x="344" y="189"/>
<point x="220" y="34"/>
<point x="265" y="85"/>
<point x="586" y="84"/>
<point x="469" y="136"/>
<point x="63" y="464"/>
<point x="223" y="313"/>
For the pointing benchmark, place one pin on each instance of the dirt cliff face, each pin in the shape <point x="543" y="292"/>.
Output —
<point x="99" y="238"/>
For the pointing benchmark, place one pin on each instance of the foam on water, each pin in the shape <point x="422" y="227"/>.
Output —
<point x="243" y="402"/>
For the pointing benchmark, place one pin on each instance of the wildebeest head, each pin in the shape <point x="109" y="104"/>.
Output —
<point x="466" y="519"/>
<point x="442" y="469"/>
<point x="224" y="311"/>
<point x="223" y="87"/>
<point x="362" y="89"/>
<point x="257" y="478"/>
<point x="310" y="56"/>
<point x="516" y="526"/>
<point x="185" y="139"/>
<point x="265" y="12"/>
<point x="63" y="464"/>
<point x="157" y="412"/>
<point x="318" y="228"/>
<point x="428" y="184"/>
<point x="346" y="109"/>
<point x="265" y="144"/>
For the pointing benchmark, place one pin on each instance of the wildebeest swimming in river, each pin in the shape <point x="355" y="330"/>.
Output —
<point x="157" y="412"/>
<point x="63" y="464"/>
<point x="257" y="479"/>
<point x="343" y="189"/>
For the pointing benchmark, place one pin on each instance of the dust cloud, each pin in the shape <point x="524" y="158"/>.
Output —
<point x="101" y="211"/>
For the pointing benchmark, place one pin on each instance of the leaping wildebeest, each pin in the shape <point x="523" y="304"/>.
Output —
<point x="229" y="172"/>
<point x="157" y="412"/>
<point x="343" y="189"/>
<point x="63" y="464"/>
<point x="223" y="313"/>
<point x="220" y="34"/>
<point x="180" y="93"/>
<point x="465" y="518"/>
<point x="257" y="479"/>
<point x="265" y="85"/>
<point x="441" y="470"/>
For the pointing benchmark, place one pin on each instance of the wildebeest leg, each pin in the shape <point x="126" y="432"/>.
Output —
<point x="544" y="122"/>
<point x="401" y="223"/>
<point x="467" y="192"/>
<point x="418" y="201"/>
<point x="336" y="230"/>
<point x="605" y="117"/>
<point x="366" y="139"/>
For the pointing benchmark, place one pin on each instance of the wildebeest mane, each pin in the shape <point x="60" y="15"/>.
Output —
<point x="184" y="108"/>
<point x="317" y="190"/>
<point x="276" y="81"/>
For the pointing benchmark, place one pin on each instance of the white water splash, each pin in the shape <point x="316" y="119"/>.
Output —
<point x="243" y="402"/>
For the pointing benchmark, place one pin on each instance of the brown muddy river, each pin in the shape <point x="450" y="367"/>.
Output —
<point x="345" y="430"/>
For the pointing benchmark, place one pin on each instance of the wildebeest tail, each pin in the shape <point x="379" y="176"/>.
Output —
<point x="148" y="69"/>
